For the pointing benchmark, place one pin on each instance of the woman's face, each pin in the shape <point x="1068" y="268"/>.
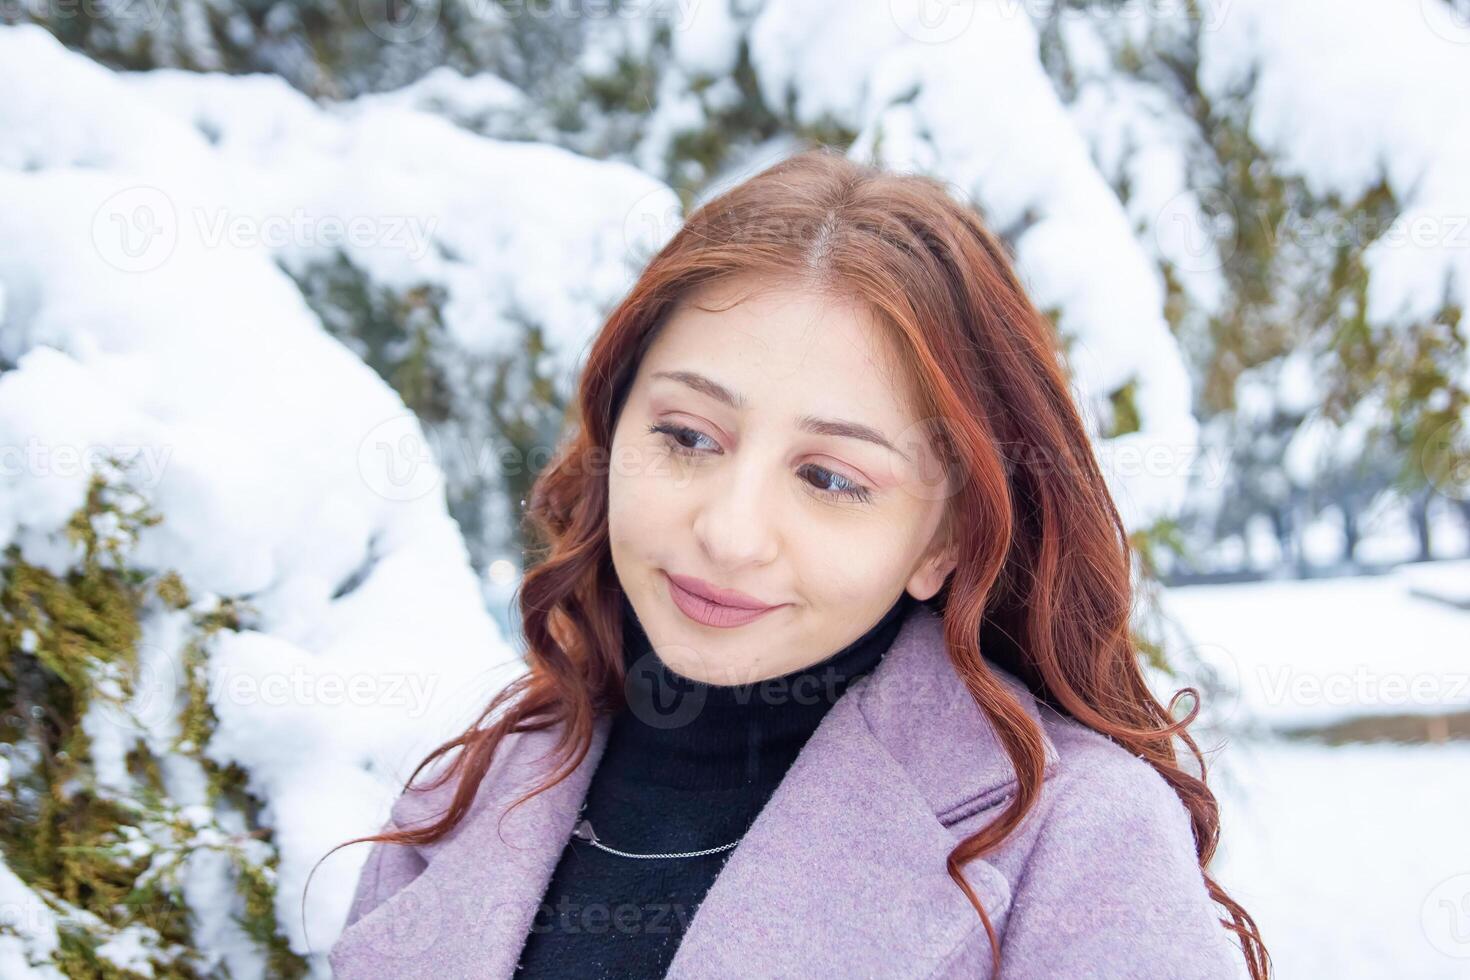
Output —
<point x="748" y="457"/>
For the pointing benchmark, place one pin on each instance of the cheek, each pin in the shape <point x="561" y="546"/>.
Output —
<point x="854" y="567"/>
<point x="641" y="500"/>
<point x="623" y="513"/>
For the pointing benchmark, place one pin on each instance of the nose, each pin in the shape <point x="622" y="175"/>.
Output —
<point x="736" y="522"/>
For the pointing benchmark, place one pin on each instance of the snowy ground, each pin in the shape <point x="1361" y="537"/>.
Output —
<point x="1353" y="859"/>
<point x="1318" y="651"/>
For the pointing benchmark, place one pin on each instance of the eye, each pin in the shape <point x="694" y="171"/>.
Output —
<point x="845" y="489"/>
<point x="676" y="434"/>
<point x="683" y="441"/>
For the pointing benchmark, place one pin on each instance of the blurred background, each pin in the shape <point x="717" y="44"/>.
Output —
<point x="293" y="295"/>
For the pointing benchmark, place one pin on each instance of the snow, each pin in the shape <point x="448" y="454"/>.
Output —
<point x="1351" y="91"/>
<point x="1445" y="581"/>
<point x="447" y="92"/>
<point x="264" y="491"/>
<point x="1319" y="651"/>
<point x="1353" y="860"/>
<point x="705" y="38"/>
<point x="251" y="430"/>
<point x="906" y="77"/>
<point x="148" y="222"/>
<point x="129" y="950"/>
<point x="27" y="929"/>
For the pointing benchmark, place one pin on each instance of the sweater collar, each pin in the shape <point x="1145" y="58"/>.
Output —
<point x="680" y="732"/>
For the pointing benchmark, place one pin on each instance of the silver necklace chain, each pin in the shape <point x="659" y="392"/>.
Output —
<point x="583" y="831"/>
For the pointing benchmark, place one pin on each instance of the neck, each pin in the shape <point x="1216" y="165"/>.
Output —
<point x="680" y="732"/>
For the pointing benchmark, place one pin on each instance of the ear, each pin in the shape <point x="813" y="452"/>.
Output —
<point x="929" y="577"/>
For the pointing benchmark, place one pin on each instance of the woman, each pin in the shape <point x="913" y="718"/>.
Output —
<point x="829" y="644"/>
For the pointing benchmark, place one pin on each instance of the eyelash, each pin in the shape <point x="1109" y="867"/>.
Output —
<point x="857" y="492"/>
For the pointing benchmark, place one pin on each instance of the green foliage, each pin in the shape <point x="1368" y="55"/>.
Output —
<point x="628" y="87"/>
<point x="1296" y="286"/>
<point x="1125" y="415"/>
<point x="398" y="335"/>
<point x="1147" y="546"/>
<point x="490" y="436"/>
<point x="696" y="156"/>
<point x="108" y="863"/>
<point x="829" y="131"/>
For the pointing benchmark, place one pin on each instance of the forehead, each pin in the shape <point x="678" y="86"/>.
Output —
<point x="785" y="345"/>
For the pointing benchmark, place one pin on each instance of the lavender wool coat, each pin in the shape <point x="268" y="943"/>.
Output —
<point x="843" y="873"/>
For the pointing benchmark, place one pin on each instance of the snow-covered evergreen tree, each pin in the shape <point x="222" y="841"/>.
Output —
<point x="292" y="299"/>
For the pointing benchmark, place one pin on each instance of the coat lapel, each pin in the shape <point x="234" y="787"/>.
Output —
<point x="468" y="913"/>
<point x="842" y="873"/>
<point x="920" y="711"/>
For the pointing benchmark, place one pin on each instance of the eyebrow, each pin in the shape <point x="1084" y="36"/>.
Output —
<point x="808" y="423"/>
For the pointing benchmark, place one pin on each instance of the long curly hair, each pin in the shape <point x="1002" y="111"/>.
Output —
<point x="1043" y="585"/>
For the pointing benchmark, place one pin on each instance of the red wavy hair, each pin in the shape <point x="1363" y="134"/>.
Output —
<point x="1043" y="585"/>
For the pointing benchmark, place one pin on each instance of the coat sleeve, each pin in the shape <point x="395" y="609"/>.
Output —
<point x="1113" y="886"/>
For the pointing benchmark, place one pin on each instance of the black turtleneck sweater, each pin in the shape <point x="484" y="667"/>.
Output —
<point x="687" y="766"/>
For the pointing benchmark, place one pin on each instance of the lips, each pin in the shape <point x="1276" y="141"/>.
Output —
<point x="723" y="597"/>
<point x="711" y="606"/>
